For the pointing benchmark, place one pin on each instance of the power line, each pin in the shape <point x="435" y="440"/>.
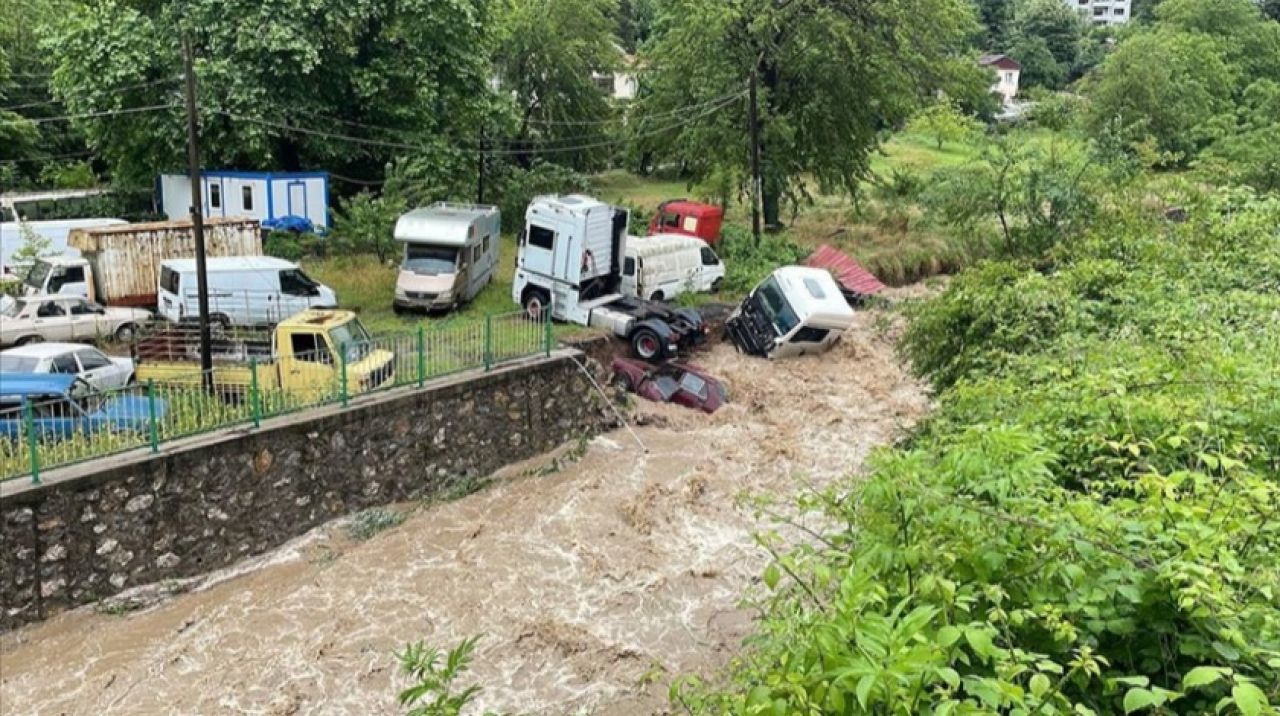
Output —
<point x="126" y="88"/>
<point x="53" y="158"/>
<point x="89" y="115"/>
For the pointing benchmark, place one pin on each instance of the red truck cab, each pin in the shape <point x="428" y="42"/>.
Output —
<point x="689" y="218"/>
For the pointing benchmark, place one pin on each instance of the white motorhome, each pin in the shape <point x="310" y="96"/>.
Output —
<point x="662" y="267"/>
<point x="570" y="266"/>
<point x="796" y="311"/>
<point x="450" y="253"/>
<point x="243" y="290"/>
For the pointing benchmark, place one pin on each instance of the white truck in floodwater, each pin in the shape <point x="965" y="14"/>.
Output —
<point x="796" y="311"/>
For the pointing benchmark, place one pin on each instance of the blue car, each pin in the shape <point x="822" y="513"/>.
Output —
<point x="57" y="415"/>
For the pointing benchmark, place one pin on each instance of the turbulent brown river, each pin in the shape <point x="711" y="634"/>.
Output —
<point x="595" y="579"/>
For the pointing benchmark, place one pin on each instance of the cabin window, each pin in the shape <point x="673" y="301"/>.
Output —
<point x="246" y="198"/>
<point x="542" y="238"/>
<point x="809" y="334"/>
<point x="310" y="347"/>
<point x="215" y="196"/>
<point x="709" y="257"/>
<point x="629" y="266"/>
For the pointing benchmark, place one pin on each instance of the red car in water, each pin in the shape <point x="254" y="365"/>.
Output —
<point x="679" y="383"/>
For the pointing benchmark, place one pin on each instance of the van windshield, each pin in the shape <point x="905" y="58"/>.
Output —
<point x="430" y="260"/>
<point x="775" y="305"/>
<point x="38" y="274"/>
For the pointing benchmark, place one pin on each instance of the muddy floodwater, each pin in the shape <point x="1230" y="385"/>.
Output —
<point x="594" y="576"/>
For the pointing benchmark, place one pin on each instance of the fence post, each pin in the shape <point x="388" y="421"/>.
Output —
<point x="151" y="413"/>
<point x="255" y="397"/>
<point x="546" y="335"/>
<point x="488" y="342"/>
<point x="33" y="445"/>
<point x="422" y="355"/>
<point x="342" y="362"/>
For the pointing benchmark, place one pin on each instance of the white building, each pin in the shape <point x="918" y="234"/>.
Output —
<point x="265" y="196"/>
<point x="1008" y="74"/>
<point x="1103" y="12"/>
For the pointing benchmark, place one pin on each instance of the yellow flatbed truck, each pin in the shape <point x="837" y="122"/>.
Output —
<point x="303" y="358"/>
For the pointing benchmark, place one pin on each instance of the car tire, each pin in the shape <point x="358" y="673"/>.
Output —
<point x="398" y="309"/>
<point x="621" y="382"/>
<point x="535" y="302"/>
<point x="28" y="340"/>
<point x="646" y="344"/>
<point x="126" y="332"/>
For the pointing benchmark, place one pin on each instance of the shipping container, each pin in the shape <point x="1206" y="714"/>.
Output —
<point x="125" y="260"/>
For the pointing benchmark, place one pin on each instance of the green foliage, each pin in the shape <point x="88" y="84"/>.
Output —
<point x="1046" y="39"/>
<point x="515" y="187"/>
<point x="944" y="121"/>
<point x="748" y="263"/>
<point x="831" y="76"/>
<point x="1056" y="111"/>
<point x="1087" y="525"/>
<point x="34" y="245"/>
<point x="365" y="224"/>
<point x="432" y="692"/>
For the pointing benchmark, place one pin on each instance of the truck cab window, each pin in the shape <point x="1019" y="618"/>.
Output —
<point x="670" y="221"/>
<point x="709" y="257"/>
<point x="74" y="274"/>
<point x="310" y="347"/>
<point x="542" y="238"/>
<point x="295" y="283"/>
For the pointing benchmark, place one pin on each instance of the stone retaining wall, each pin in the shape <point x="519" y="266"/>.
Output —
<point x="94" y="530"/>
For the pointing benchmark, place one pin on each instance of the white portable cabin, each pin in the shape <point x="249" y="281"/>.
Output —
<point x="450" y="253"/>
<point x="664" y="266"/>
<point x="56" y="232"/>
<point x="243" y="290"/>
<point x="264" y="196"/>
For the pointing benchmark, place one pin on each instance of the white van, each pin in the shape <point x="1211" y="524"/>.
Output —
<point x="243" y="290"/>
<point x="661" y="267"/>
<point x="450" y="253"/>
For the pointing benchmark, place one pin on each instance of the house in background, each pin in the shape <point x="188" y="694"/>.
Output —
<point x="265" y="196"/>
<point x="622" y="84"/>
<point x="1103" y="12"/>
<point x="1008" y="72"/>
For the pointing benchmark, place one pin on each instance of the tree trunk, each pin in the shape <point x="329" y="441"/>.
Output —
<point x="771" y="192"/>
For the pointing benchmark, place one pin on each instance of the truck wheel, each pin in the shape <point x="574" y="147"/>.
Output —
<point x="126" y="332"/>
<point x="28" y="340"/>
<point x="646" y="344"/>
<point x="657" y="296"/>
<point x="535" y="303"/>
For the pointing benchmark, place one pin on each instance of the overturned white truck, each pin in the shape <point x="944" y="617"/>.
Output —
<point x="795" y="311"/>
<point x="570" y="264"/>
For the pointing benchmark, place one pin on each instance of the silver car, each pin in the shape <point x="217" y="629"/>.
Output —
<point x="97" y="369"/>
<point x="35" y="319"/>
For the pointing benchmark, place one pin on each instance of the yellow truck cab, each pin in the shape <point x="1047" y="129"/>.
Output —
<point x="303" y="359"/>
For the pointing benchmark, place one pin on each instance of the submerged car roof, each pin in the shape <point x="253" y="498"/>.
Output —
<point x="22" y="384"/>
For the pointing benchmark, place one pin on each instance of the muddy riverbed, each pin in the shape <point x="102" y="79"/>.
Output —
<point x="595" y="576"/>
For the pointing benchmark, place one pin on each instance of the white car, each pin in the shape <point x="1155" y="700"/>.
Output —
<point x="99" y="370"/>
<point x="35" y="319"/>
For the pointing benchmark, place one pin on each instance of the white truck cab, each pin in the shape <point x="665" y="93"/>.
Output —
<point x="796" y="311"/>
<point x="569" y="266"/>
<point x="60" y="275"/>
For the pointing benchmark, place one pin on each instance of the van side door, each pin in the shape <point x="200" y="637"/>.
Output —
<point x="711" y="272"/>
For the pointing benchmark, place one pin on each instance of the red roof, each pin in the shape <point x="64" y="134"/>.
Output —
<point x="849" y="273"/>
<point x="1004" y="62"/>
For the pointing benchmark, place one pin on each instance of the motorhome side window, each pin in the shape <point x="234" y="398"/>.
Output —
<point x="486" y="244"/>
<point x="709" y="257"/>
<point x="542" y="238"/>
<point x="246" y="198"/>
<point x="310" y="347"/>
<point x="296" y="283"/>
<point x="215" y="196"/>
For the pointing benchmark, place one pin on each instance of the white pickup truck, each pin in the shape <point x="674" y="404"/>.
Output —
<point x="570" y="263"/>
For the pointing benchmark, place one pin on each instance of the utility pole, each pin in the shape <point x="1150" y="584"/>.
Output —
<point x="197" y="219"/>
<point x="753" y="117"/>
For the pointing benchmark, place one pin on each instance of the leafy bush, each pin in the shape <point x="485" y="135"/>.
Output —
<point x="365" y="224"/>
<point x="291" y="246"/>
<point x="1090" y="522"/>
<point x="516" y="187"/>
<point x="432" y="693"/>
<point x="747" y="263"/>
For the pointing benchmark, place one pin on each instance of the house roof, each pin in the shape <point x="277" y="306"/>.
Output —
<point x="1004" y="62"/>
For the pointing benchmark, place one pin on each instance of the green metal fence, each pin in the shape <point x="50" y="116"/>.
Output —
<point x="38" y="435"/>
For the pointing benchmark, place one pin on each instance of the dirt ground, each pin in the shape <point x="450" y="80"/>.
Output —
<point x="593" y="578"/>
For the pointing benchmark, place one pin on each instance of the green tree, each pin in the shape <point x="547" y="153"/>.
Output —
<point x="944" y="121"/>
<point x="548" y="55"/>
<point x="635" y="22"/>
<point x="365" y="224"/>
<point x="1046" y="39"/>
<point x="270" y="99"/>
<point x="1166" y="85"/>
<point x="996" y="17"/>
<point x="832" y="75"/>
<point x="1039" y="67"/>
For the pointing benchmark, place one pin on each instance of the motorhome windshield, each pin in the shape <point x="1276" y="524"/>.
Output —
<point x="39" y="273"/>
<point x="430" y="260"/>
<point x="775" y="304"/>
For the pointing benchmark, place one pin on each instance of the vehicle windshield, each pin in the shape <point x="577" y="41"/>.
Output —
<point x="694" y="384"/>
<point x="430" y="260"/>
<point x="38" y="274"/>
<point x="353" y="335"/>
<point x="666" y="385"/>
<point x="775" y="304"/>
<point x="18" y="364"/>
<point x="11" y="308"/>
